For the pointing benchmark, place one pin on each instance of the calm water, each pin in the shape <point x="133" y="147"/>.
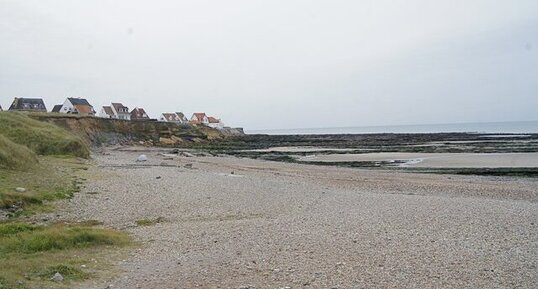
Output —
<point x="485" y="127"/>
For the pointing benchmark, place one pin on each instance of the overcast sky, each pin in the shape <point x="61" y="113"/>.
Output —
<point x="279" y="64"/>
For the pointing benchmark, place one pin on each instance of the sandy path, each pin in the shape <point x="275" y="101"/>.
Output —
<point x="276" y="225"/>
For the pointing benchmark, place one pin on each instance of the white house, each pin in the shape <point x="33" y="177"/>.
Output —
<point x="199" y="118"/>
<point x="116" y="111"/>
<point x="215" y="123"/>
<point x="121" y="111"/>
<point x="139" y="113"/>
<point x="106" y="112"/>
<point x="76" y="106"/>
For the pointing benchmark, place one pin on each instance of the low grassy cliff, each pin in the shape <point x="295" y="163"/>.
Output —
<point x="101" y="131"/>
<point x="23" y="138"/>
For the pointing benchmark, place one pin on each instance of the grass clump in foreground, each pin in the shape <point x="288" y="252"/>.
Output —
<point x="52" y="179"/>
<point x="31" y="255"/>
<point x="41" y="137"/>
<point x="20" y="238"/>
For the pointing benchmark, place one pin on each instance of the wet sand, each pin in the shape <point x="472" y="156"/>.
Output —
<point x="439" y="160"/>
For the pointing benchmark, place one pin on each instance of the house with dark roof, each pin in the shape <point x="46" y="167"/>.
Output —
<point x="57" y="108"/>
<point x="121" y="111"/>
<point x="182" y="117"/>
<point x="139" y="113"/>
<point x="106" y="112"/>
<point x="176" y="117"/>
<point x="116" y="111"/>
<point x="77" y="105"/>
<point x="28" y="104"/>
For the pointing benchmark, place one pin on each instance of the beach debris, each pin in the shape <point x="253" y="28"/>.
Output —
<point x="232" y="173"/>
<point x="57" y="277"/>
<point x="188" y="166"/>
<point x="158" y="178"/>
<point x="20" y="190"/>
<point x="186" y="154"/>
<point x="142" y="158"/>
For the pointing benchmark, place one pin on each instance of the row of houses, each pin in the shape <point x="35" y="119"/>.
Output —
<point x="81" y="106"/>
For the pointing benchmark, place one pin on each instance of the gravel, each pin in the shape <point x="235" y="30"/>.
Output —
<point x="241" y="223"/>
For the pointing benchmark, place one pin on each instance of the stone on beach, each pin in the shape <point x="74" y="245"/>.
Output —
<point x="142" y="158"/>
<point x="57" y="277"/>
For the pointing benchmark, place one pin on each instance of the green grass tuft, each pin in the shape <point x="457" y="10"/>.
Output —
<point x="32" y="239"/>
<point x="14" y="228"/>
<point x="149" y="222"/>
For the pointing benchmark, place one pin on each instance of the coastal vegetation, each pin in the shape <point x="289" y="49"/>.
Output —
<point x="41" y="137"/>
<point x="15" y="156"/>
<point x="148" y="221"/>
<point x="37" y="164"/>
<point x="41" y="163"/>
<point x="32" y="254"/>
<point x="50" y="179"/>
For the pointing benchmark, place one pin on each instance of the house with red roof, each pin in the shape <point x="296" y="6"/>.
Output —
<point x="199" y="118"/>
<point x="215" y="123"/>
<point x="202" y="118"/>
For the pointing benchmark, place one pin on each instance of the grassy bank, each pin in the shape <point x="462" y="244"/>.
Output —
<point x="25" y="149"/>
<point x="15" y="156"/>
<point x="40" y="137"/>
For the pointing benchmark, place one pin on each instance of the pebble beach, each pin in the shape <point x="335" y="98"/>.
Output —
<point x="225" y="222"/>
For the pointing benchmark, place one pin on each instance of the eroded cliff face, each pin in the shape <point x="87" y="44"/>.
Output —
<point x="101" y="131"/>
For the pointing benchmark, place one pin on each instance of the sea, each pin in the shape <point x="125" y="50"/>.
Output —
<point x="514" y="127"/>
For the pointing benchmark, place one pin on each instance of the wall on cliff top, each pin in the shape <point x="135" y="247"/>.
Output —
<point x="102" y="131"/>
